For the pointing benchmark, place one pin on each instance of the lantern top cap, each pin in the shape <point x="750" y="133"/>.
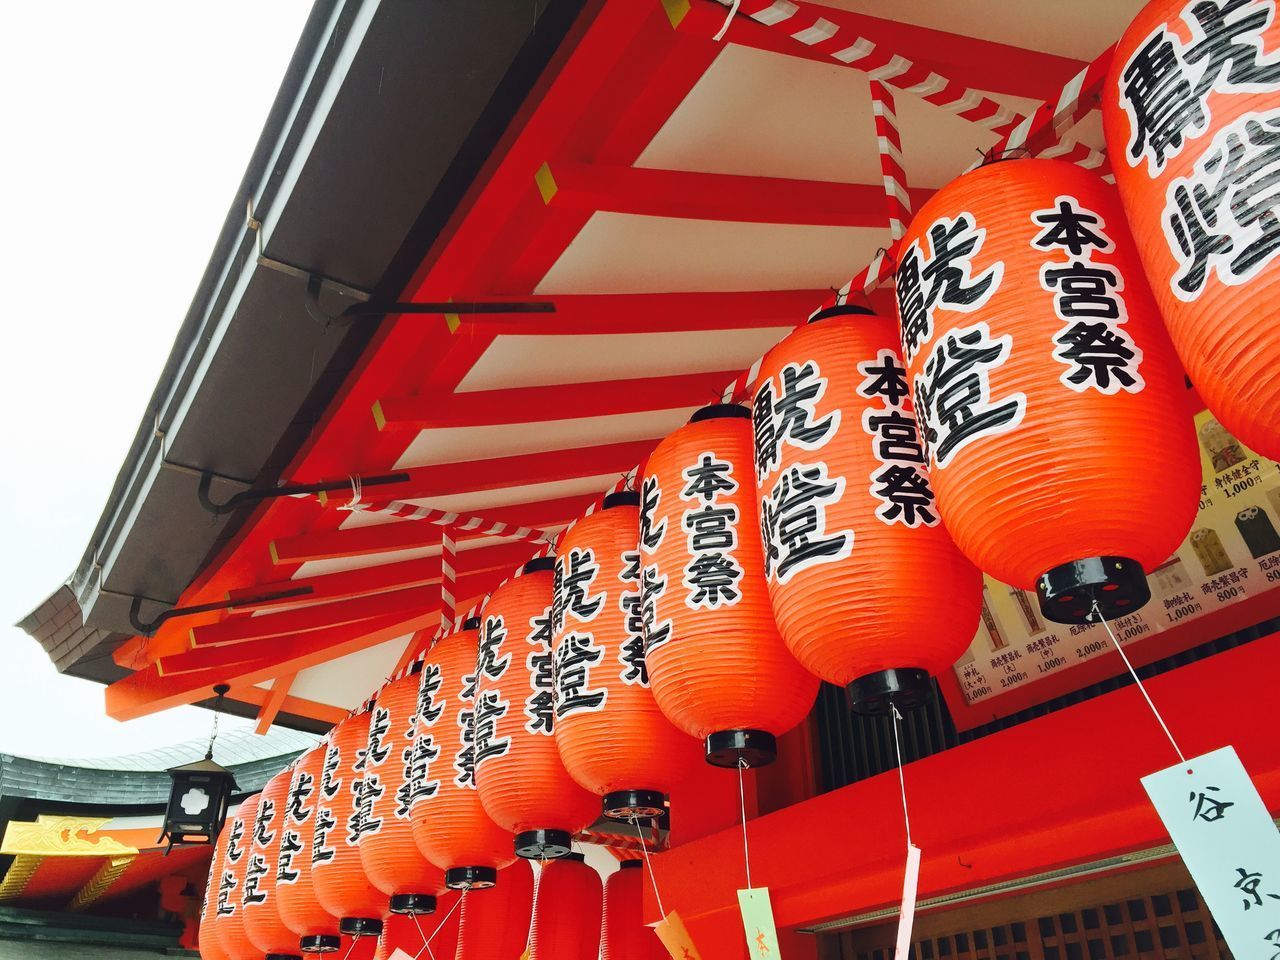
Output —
<point x="844" y="310"/>
<point x="721" y="411"/>
<point x="205" y="765"/>
<point x="540" y="564"/>
<point x="622" y="498"/>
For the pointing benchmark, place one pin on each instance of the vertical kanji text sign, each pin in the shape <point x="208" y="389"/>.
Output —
<point x="1229" y="842"/>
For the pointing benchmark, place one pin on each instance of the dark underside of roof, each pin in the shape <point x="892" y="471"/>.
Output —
<point x="383" y="120"/>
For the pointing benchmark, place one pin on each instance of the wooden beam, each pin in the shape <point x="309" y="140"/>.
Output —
<point x="570" y="401"/>
<point x="299" y="706"/>
<point x="691" y="195"/>
<point x="271" y="706"/>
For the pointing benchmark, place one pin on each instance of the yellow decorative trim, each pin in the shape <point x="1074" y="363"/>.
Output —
<point x="379" y="419"/>
<point x="99" y="883"/>
<point x="546" y="182"/>
<point x="62" y="837"/>
<point x="20" y="873"/>
<point x="676" y="10"/>
<point x="452" y="321"/>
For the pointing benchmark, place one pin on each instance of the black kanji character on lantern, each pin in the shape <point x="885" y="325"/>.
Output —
<point x="1224" y="216"/>
<point x="1068" y="227"/>
<point x="253" y="874"/>
<point x="539" y="706"/>
<point x="226" y="906"/>
<point x="417" y="784"/>
<point x="367" y="791"/>
<point x="575" y="575"/>
<point x="650" y="498"/>
<point x="299" y="793"/>
<point x="796" y="422"/>
<point x="428" y="686"/>
<point x="577" y="654"/>
<point x="330" y="782"/>
<point x="652" y="586"/>
<point x="1273" y="938"/>
<point x="897" y="435"/>
<point x="1249" y="884"/>
<point x="262" y="833"/>
<point x="712" y="579"/>
<point x="490" y="708"/>
<point x="1162" y="104"/>
<point x="907" y="496"/>
<point x="234" y="850"/>
<point x="1232" y="43"/>
<point x="631" y="603"/>
<point x="1083" y="289"/>
<point x="884" y="377"/>
<point x="464" y="761"/>
<point x="953" y="397"/>
<point x="765" y="436"/>
<point x="1098" y="355"/>
<point x="320" y="849"/>
<point x="379" y="727"/>
<point x="492" y="637"/>
<point x="712" y="528"/>
<point x="1209" y="809"/>
<point x="943" y="279"/>
<point x="793" y="521"/>
<point x="290" y="846"/>
<point x="540" y="634"/>
<point x="708" y="478"/>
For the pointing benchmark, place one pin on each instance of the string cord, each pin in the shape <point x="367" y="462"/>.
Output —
<point x="902" y="782"/>
<point x="1138" y="680"/>
<point x="426" y="941"/>
<point x="733" y="12"/>
<point x="742" y="808"/>
<point x="357" y="488"/>
<point x="644" y="850"/>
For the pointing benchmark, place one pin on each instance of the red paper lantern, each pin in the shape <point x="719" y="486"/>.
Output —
<point x="207" y="938"/>
<point x="229" y="914"/>
<point x="1040" y="369"/>
<point x="613" y="739"/>
<point x="495" y="921"/>
<point x="522" y="780"/>
<point x="624" y="935"/>
<point x="262" y="921"/>
<point x="392" y="861"/>
<point x="316" y="928"/>
<point x="343" y="816"/>
<point x="449" y="823"/>
<point x="854" y="539"/>
<point x="717" y="663"/>
<point x="1191" y="110"/>
<point x="567" y="904"/>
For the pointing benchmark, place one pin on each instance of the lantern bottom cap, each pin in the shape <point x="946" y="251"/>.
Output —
<point x="282" y="956"/>
<point x="360" y="926"/>
<point x="413" y="903"/>
<point x="470" y="878"/>
<point x="320" y="943"/>
<point x="876" y="694"/>
<point x="628" y="805"/>
<point x="1068" y="592"/>
<point x="544" y="844"/>
<point x="734" y="748"/>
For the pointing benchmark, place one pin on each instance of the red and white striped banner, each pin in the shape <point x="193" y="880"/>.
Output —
<point x="805" y="23"/>
<point x="889" y="144"/>
<point x="460" y="522"/>
<point x="448" y="578"/>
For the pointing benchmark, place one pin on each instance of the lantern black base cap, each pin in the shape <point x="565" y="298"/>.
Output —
<point x="843" y="310"/>
<point x="360" y="926"/>
<point x="282" y="956"/>
<point x="721" y="411"/>
<point x="1068" y="592"/>
<point x="320" y="943"/>
<point x="733" y="748"/>
<point x="544" y="844"/>
<point x="470" y="878"/>
<point x="876" y="694"/>
<point x="628" y="805"/>
<point x="416" y="904"/>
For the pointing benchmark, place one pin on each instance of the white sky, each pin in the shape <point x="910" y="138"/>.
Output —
<point x="127" y="127"/>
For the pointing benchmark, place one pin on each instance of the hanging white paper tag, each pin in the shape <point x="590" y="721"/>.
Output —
<point x="907" y="916"/>
<point x="400" y="955"/>
<point x="757" y="923"/>
<point x="1229" y="843"/>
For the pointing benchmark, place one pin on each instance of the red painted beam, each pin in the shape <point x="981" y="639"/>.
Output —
<point x="296" y="705"/>
<point x="569" y="401"/>
<point x="381" y="579"/>
<point x="971" y="61"/>
<point x="270" y="708"/>
<point x="715" y="196"/>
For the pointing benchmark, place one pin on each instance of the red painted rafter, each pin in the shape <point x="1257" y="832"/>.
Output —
<point x="569" y="401"/>
<point x="326" y="713"/>
<point x="270" y="707"/>
<point x="715" y="196"/>
<point x="981" y="64"/>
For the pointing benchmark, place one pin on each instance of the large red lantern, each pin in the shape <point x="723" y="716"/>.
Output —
<point x="449" y="823"/>
<point x="853" y="539"/>
<point x="567" y="904"/>
<point x="624" y="935"/>
<point x="523" y="783"/>
<point x="1191" y="111"/>
<point x="262" y="921"/>
<point x="316" y="928"/>
<point x="612" y="737"/>
<point x="495" y="921"/>
<point x="207" y="938"/>
<point x="229" y="913"/>
<point x="717" y="663"/>
<point x="1040" y="369"/>
<point x="343" y="816"/>
<point x="392" y="861"/>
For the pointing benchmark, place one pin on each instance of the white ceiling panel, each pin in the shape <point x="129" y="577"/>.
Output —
<point x="348" y="681"/>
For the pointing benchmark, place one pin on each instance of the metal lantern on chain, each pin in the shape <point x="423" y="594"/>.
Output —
<point x="199" y="795"/>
